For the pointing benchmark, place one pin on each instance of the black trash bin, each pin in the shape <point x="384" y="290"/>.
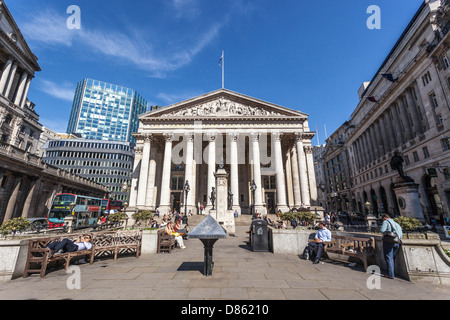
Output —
<point x="259" y="236"/>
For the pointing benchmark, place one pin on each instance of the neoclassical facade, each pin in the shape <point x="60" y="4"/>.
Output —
<point x="255" y="141"/>
<point x="27" y="185"/>
<point x="405" y="108"/>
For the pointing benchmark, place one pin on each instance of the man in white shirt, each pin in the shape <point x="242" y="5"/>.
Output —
<point x="322" y="236"/>
<point x="67" y="245"/>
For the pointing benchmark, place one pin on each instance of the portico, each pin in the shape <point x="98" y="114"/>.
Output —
<point x="255" y="140"/>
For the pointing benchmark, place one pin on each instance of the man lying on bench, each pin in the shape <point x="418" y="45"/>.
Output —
<point x="67" y="245"/>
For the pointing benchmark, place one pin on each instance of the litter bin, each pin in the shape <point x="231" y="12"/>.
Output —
<point x="260" y="236"/>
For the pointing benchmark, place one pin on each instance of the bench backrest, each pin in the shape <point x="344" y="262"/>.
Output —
<point x="359" y="244"/>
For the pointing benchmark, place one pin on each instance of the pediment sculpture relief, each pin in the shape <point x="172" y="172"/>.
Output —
<point x="220" y="107"/>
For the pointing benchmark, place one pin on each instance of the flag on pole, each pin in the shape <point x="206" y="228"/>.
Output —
<point x="222" y="65"/>
<point x="220" y="60"/>
<point x="372" y="99"/>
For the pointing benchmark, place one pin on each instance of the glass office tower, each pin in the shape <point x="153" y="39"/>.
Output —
<point x="104" y="111"/>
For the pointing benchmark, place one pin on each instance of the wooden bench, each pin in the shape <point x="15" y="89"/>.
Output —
<point x="166" y="242"/>
<point x="104" y="243"/>
<point x="39" y="256"/>
<point x="352" y="246"/>
<point x="128" y="241"/>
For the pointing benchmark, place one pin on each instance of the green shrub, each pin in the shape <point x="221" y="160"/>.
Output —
<point x="115" y="217"/>
<point x="15" y="225"/>
<point x="143" y="216"/>
<point x="408" y="224"/>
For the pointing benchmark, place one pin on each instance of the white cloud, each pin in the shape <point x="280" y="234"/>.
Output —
<point x="63" y="91"/>
<point x="49" y="28"/>
<point x="186" y="8"/>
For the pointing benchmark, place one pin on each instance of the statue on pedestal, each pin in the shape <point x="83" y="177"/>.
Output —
<point x="213" y="197"/>
<point x="397" y="164"/>
<point x="230" y="199"/>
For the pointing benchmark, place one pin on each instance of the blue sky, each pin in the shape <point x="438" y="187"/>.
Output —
<point x="310" y="56"/>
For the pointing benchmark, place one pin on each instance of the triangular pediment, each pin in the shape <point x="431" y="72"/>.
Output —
<point x="222" y="103"/>
<point x="11" y="33"/>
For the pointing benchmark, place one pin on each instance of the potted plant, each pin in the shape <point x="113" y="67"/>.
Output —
<point x="14" y="225"/>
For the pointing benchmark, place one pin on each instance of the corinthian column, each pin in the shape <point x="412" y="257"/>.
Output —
<point x="280" y="179"/>
<point x="143" y="176"/>
<point x="5" y="74"/>
<point x="211" y="169"/>
<point x="189" y="169"/>
<point x="311" y="174"/>
<point x="302" y="170"/>
<point x="257" y="174"/>
<point x="164" y="206"/>
<point x="234" y="171"/>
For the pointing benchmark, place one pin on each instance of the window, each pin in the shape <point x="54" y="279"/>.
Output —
<point x="445" y="144"/>
<point x="426" y="78"/>
<point x="434" y="101"/>
<point x="446" y="62"/>
<point x="407" y="160"/>
<point x="416" y="156"/>
<point x="426" y="153"/>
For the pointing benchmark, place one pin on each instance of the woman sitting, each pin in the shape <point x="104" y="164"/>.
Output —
<point x="178" y="237"/>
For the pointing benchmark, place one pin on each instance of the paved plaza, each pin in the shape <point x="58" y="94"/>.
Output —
<point x="238" y="274"/>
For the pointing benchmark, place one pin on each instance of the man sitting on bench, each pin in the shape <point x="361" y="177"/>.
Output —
<point x="67" y="245"/>
<point x="322" y="236"/>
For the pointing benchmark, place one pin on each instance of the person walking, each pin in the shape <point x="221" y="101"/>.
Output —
<point x="390" y="249"/>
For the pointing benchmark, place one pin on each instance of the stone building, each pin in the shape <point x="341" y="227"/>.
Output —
<point x="106" y="162"/>
<point x="254" y="140"/>
<point x="337" y="172"/>
<point x="405" y="108"/>
<point x="27" y="185"/>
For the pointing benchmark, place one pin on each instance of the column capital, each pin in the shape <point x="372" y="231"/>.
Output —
<point x="308" y="149"/>
<point x="189" y="136"/>
<point x="233" y="136"/>
<point x="168" y="136"/>
<point x="277" y="135"/>
<point x="211" y="136"/>
<point x="148" y="137"/>
<point x="298" y="136"/>
<point x="255" y="136"/>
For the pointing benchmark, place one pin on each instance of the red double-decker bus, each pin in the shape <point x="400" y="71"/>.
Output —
<point x="108" y="204"/>
<point x="86" y="211"/>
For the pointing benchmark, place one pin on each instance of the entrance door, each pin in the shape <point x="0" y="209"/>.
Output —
<point x="270" y="202"/>
<point x="176" y="196"/>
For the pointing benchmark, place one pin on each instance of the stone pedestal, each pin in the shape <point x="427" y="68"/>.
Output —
<point x="221" y="213"/>
<point x="407" y="192"/>
<point x="69" y="222"/>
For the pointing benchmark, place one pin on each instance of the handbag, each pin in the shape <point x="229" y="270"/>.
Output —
<point x="391" y="237"/>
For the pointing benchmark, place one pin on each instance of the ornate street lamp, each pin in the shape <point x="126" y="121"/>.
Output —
<point x="253" y="187"/>
<point x="187" y="188"/>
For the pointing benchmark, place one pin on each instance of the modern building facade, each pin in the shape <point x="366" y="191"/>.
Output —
<point x="259" y="144"/>
<point x="104" y="111"/>
<point x="405" y="108"/>
<point x="105" y="162"/>
<point x="27" y="185"/>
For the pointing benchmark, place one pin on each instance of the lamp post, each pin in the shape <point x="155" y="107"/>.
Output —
<point x="187" y="188"/>
<point x="253" y="188"/>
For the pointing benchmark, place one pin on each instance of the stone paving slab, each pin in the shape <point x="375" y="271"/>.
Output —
<point x="238" y="274"/>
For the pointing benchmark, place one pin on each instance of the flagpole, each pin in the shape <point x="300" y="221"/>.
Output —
<point x="223" y="70"/>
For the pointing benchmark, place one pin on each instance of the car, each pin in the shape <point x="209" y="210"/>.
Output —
<point x="38" y="223"/>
